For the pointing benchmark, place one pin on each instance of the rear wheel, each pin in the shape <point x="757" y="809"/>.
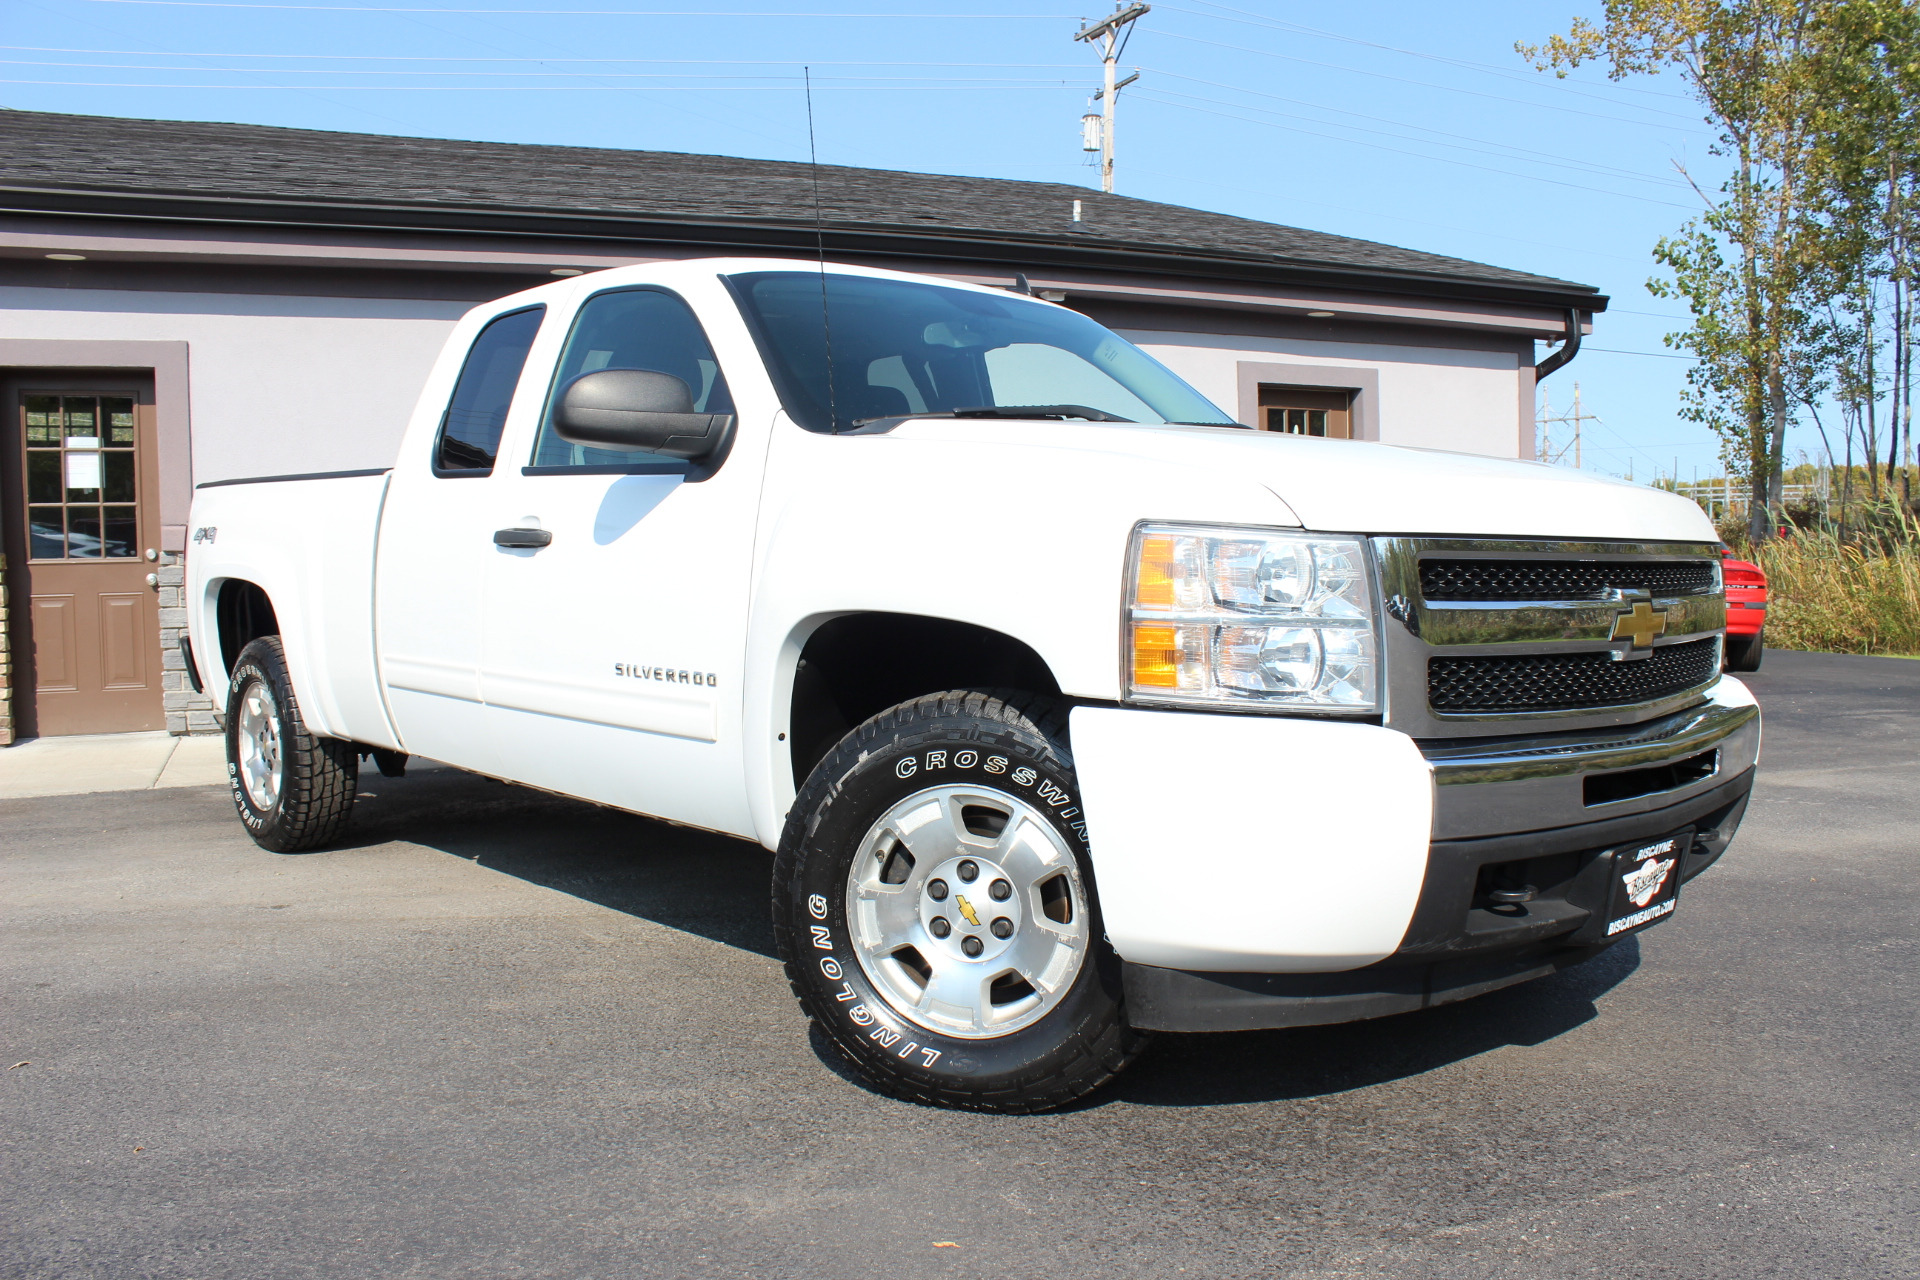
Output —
<point x="1743" y="652"/>
<point x="293" y="790"/>
<point x="933" y="905"/>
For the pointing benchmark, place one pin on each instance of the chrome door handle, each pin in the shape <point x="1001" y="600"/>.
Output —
<point x="521" y="537"/>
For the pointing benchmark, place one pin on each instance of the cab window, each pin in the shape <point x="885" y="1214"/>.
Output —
<point x="477" y="413"/>
<point x="644" y="328"/>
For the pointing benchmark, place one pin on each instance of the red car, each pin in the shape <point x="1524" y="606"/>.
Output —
<point x="1746" y="612"/>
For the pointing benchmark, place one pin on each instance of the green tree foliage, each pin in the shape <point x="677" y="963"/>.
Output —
<point x="1798" y="271"/>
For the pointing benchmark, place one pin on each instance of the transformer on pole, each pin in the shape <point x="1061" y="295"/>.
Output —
<point x="1109" y="34"/>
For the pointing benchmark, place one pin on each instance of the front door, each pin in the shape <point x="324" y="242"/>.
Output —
<point x="614" y="651"/>
<point x="83" y="534"/>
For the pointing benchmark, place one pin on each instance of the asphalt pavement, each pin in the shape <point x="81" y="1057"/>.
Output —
<point x="501" y="1034"/>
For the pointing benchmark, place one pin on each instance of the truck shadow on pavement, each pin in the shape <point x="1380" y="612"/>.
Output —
<point x="715" y="887"/>
<point x="1309" y="1062"/>
<point x="695" y="881"/>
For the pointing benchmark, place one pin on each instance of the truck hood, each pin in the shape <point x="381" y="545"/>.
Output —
<point x="1351" y="486"/>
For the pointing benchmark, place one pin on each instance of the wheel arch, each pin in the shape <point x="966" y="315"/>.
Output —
<point x="242" y="613"/>
<point x="850" y="666"/>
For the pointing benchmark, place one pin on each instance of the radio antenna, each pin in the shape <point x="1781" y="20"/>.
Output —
<point x="820" y="248"/>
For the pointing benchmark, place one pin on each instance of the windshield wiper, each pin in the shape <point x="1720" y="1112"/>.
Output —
<point x="1004" y="411"/>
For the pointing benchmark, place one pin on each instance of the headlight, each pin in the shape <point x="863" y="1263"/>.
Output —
<point x="1249" y="617"/>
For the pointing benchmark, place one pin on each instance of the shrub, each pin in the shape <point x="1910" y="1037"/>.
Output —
<point x="1843" y="597"/>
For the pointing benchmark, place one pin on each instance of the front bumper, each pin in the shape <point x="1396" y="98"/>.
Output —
<point x="1459" y="944"/>
<point x="1270" y="871"/>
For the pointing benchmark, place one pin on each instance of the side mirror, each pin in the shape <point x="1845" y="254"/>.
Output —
<point x="638" y="410"/>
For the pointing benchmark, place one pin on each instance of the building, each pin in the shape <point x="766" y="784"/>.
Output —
<point x="185" y="302"/>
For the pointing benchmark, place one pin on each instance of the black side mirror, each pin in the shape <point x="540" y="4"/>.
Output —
<point x="638" y="410"/>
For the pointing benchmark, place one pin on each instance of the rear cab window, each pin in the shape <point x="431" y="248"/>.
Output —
<point x="476" y="414"/>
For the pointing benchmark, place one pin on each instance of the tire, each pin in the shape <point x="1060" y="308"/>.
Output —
<point x="876" y="910"/>
<point x="293" y="790"/>
<point x="1743" y="652"/>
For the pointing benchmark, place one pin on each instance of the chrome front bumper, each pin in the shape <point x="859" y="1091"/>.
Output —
<point x="1486" y="787"/>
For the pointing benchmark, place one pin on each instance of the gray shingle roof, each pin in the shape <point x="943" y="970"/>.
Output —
<point x="43" y="155"/>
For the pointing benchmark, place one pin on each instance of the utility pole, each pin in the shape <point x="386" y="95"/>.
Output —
<point x="1109" y="34"/>
<point x="1577" y="420"/>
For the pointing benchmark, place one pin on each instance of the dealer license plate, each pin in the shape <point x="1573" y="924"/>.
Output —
<point x="1646" y="883"/>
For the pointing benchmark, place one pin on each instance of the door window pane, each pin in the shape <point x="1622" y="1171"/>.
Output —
<point x="117" y="464"/>
<point x="477" y="413"/>
<point x="46" y="532"/>
<point x="117" y="413"/>
<point x="122" y="535"/>
<point x="43" y="475"/>
<point x="83" y="533"/>
<point x="83" y="474"/>
<point x="82" y="417"/>
<point x="633" y="329"/>
<point x="43" y="419"/>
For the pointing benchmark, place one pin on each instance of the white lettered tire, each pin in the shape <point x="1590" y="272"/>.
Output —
<point x="292" y="789"/>
<point x="935" y="910"/>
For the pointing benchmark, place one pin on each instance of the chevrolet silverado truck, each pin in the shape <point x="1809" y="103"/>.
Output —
<point x="1072" y="709"/>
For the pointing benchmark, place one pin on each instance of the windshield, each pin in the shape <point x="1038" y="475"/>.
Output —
<point x="900" y="347"/>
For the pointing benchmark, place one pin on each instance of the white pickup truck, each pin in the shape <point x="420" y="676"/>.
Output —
<point x="1073" y="709"/>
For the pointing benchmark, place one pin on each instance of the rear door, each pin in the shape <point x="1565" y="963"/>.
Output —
<point x="82" y="467"/>
<point x="436" y="543"/>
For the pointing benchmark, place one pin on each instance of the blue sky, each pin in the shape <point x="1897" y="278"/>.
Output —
<point x="1411" y="123"/>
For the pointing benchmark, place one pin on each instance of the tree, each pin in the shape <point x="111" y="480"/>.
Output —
<point x="1747" y="265"/>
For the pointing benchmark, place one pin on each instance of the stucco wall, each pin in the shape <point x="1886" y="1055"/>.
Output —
<point x="1430" y="397"/>
<point x="278" y="384"/>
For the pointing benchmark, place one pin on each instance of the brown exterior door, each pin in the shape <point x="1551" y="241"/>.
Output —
<point x="82" y="520"/>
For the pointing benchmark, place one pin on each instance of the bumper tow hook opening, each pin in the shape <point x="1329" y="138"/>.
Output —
<point x="1513" y="897"/>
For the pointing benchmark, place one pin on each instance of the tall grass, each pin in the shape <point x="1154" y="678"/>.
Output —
<point x="1840" y="596"/>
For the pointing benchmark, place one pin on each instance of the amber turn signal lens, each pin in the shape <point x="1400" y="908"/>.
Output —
<point x="1156" y="658"/>
<point x="1153" y="582"/>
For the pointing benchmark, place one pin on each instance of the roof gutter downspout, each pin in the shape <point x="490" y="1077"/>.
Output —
<point x="1568" y="348"/>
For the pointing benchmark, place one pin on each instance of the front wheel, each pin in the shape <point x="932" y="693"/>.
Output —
<point x="1743" y="652"/>
<point x="934" y="908"/>
<point x="293" y="790"/>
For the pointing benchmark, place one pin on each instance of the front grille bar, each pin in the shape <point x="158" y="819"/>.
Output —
<point x="1566" y="681"/>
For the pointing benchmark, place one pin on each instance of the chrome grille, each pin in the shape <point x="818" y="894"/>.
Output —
<point x="1483" y="634"/>
<point x="1567" y="681"/>
<point x="1561" y="579"/>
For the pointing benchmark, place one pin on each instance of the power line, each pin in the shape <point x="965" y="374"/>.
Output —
<point x="1506" y="151"/>
<point x="1507" y="73"/>
<point x="423" y="57"/>
<point x="1379" y="146"/>
<point x="1022" y="82"/>
<point x="571" y="13"/>
<point x="1378" y="75"/>
<point x="551" y="88"/>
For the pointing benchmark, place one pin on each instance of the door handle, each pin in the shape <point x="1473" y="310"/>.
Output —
<point x="521" y="537"/>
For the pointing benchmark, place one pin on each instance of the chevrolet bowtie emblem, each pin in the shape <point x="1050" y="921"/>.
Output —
<point x="966" y="909"/>
<point x="1639" y="625"/>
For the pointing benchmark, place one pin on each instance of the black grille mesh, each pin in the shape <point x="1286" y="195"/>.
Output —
<point x="1567" y="681"/>
<point x="1560" y="579"/>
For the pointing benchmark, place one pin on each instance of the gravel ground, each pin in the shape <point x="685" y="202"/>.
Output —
<point x="500" y="1034"/>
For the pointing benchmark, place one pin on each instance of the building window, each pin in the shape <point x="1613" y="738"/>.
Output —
<point x="1307" y="411"/>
